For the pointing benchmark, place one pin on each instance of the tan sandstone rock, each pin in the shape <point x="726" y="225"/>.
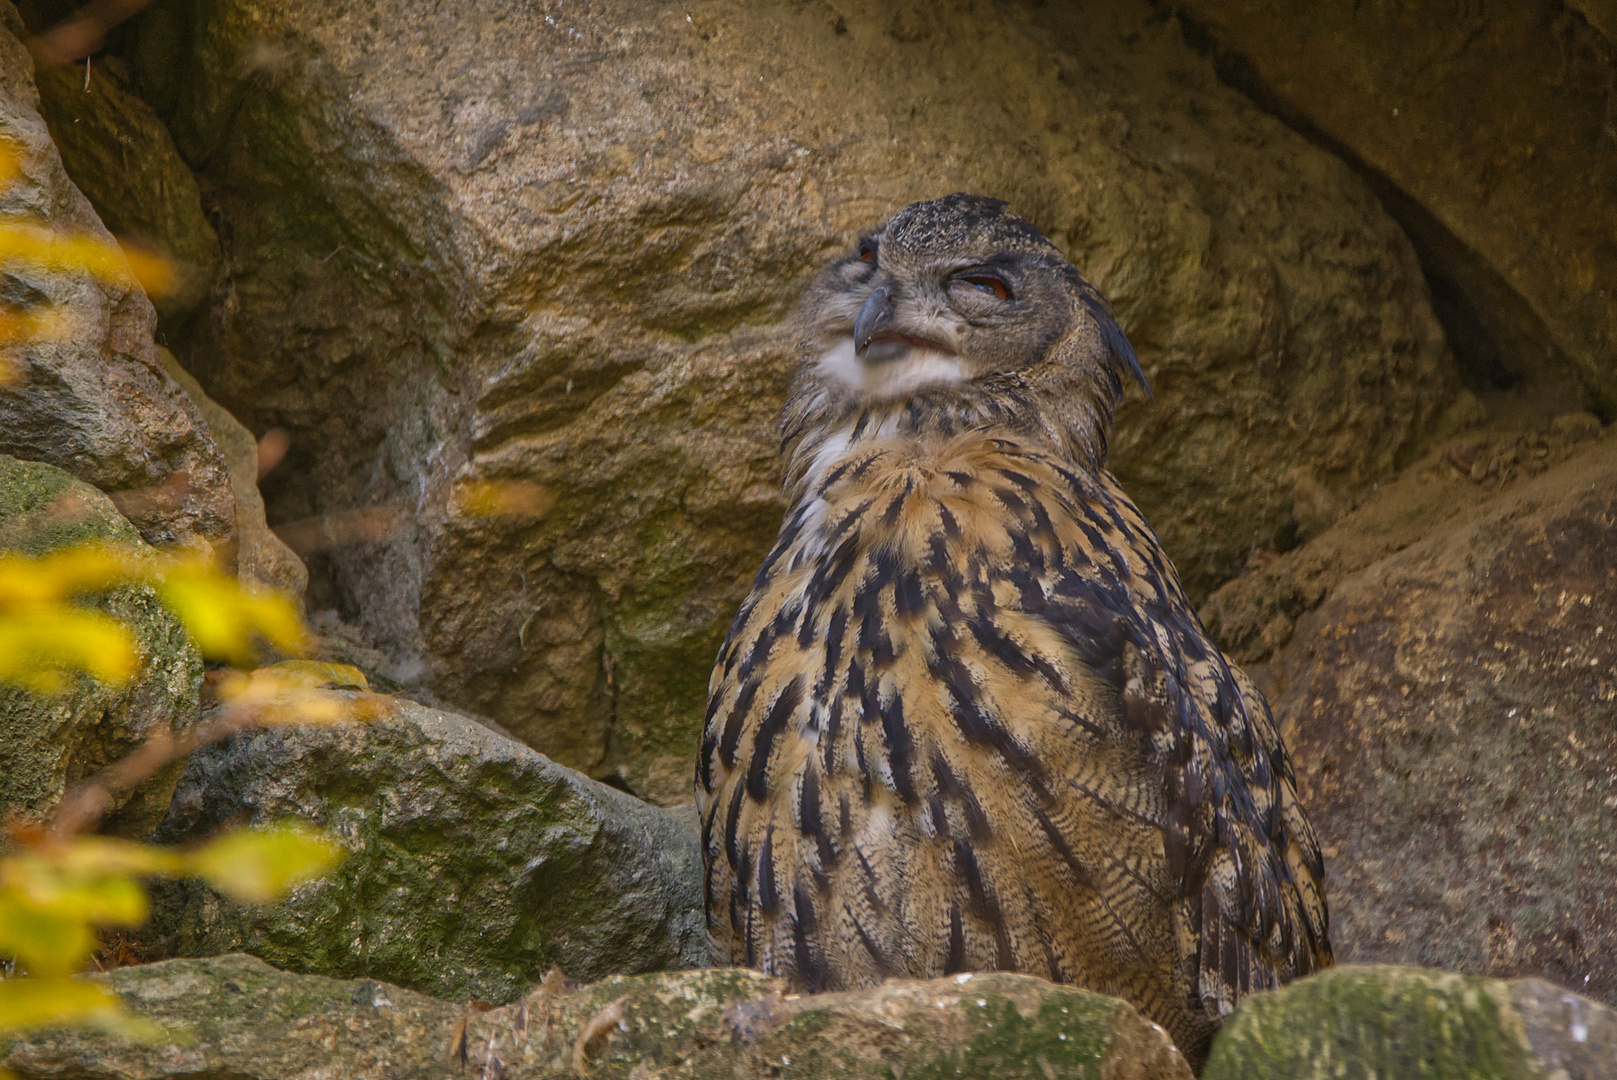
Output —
<point x="1450" y="711"/>
<point x="263" y="561"/>
<point x="121" y="156"/>
<point x="1491" y="125"/>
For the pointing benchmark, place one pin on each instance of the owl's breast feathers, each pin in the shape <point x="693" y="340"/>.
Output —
<point x="967" y="720"/>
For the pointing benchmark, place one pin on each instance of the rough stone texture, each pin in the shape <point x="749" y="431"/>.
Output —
<point x="513" y="242"/>
<point x="51" y="742"/>
<point x="1602" y="15"/>
<point x="732" y="1023"/>
<point x="95" y="400"/>
<point x="474" y="864"/>
<point x="241" y="1018"/>
<point x="1492" y="125"/>
<point x="1413" y="1024"/>
<point x="1450" y="709"/>
<point x="263" y="561"/>
<point x="250" y="1021"/>
<point x="1254" y="614"/>
<point x="121" y="156"/>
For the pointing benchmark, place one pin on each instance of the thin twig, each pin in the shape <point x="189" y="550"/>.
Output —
<point x="83" y="807"/>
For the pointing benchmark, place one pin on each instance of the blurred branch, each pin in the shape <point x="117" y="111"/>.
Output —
<point x="345" y="527"/>
<point x="77" y="37"/>
<point x="259" y="699"/>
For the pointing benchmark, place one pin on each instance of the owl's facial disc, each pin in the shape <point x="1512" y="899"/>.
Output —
<point x="900" y="343"/>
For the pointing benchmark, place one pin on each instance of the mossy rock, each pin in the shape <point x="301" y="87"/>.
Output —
<point x="474" y="864"/>
<point x="54" y="741"/>
<point x="246" y="1020"/>
<point x="1359" y="1022"/>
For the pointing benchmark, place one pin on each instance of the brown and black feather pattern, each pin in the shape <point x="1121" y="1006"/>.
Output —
<point x="967" y="720"/>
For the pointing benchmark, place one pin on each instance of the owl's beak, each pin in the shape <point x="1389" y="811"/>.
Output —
<point x="874" y="316"/>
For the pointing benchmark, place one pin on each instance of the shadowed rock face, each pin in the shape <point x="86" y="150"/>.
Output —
<point x="1488" y="128"/>
<point x="94" y="399"/>
<point x="1450" y="709"/>
<point x="502" y="242"/>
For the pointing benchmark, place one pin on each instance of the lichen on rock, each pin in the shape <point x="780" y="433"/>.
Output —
<point x="1389" y="1021"/>
<point x="246" y="1019"/>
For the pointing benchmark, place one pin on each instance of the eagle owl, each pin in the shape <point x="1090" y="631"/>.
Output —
<point x="967" y="719"/>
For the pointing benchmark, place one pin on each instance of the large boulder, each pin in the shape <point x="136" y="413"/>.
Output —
<point x="247" y="1020"/>
<point x="501" y="242"/>
<point x="53" y="741"/>
<point x="93" y="399"/>
<point x="1450" y="712"/>
<point x="1388" y="1021"/>
<point x="473" y="863"/>
<point x="1488" y="129"/>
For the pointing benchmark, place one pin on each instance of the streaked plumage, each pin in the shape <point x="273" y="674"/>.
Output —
<point x="967" y="719"/>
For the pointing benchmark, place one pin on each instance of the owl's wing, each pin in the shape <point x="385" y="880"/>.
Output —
<point x="1250" y="902"/>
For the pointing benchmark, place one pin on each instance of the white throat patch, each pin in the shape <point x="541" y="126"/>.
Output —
<point x="903" y="374"/>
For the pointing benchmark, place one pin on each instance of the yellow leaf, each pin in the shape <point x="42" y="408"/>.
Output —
<point x="40" y="246"/>
<point x="18" y="326"/>
<point x="38" y="581"/>
<point x="277" y="695"/>
<point x="505" y="498"/>
<point x="10" y="167"/>
<point x="318" y="675"/>
<point x="108" y="898"/>
<point x="257" y="865"/>
<point x="223" y="618"/>
<point x="103" y="855"/>
<point x="46" y="942"/>
<point x="37" y="650"/>
<point x="35" y="1003"/>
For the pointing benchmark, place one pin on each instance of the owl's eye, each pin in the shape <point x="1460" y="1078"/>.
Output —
<point x="990" y="285"/>
<point x="867" y="251"/>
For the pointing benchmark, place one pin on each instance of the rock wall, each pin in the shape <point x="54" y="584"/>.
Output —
<point x="508" y="242"/>
<point x="1489" y="128"/>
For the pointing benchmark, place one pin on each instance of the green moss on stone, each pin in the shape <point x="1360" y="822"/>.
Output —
<point x="1066" y="1037"/>
<point x="1372" y="1022"/>
<point x="53" y="741"/>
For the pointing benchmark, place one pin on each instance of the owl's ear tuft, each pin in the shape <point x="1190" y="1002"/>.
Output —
<point x="1124" y="361"/>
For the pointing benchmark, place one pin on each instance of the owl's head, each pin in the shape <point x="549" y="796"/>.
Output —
<point x="957" y="295"/>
